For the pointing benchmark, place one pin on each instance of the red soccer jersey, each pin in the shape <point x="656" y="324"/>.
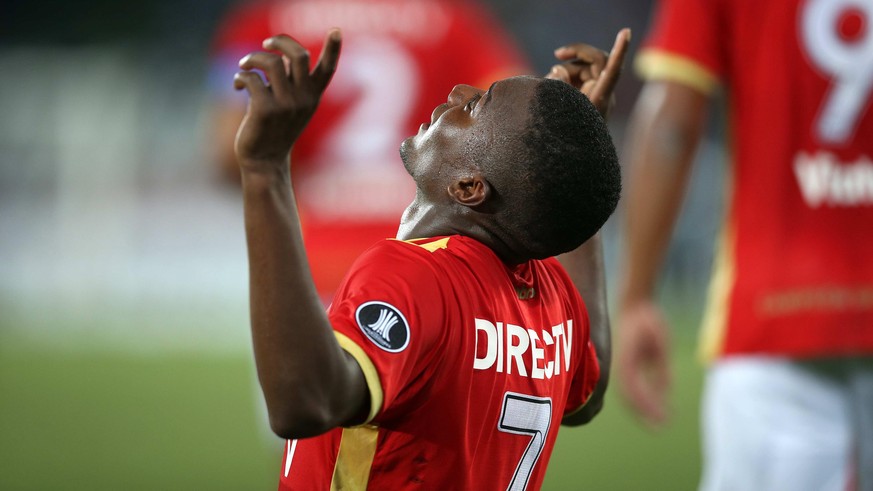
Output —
<point x="471" y="366"/>
<point x="794" y="274"/>
<point x="399" y="60"/>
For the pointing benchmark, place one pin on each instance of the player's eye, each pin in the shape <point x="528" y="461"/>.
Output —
<point x="472" y="103"/>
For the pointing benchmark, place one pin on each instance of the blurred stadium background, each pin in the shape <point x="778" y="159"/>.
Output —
<point x="125" y="360"/>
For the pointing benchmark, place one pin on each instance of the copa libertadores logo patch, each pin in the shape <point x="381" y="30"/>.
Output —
<point x="384" y="325"/>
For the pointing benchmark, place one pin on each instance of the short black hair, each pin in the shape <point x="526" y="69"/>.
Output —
<point x="567" y="180"/>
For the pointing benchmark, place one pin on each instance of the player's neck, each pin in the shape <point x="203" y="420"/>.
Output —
<point x="422" y="220"/>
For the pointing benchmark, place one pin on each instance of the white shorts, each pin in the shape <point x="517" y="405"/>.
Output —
<point x="772" y="424"/>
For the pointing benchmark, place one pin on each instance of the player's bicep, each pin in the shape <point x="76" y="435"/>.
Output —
<point x="367" y="385"/>
<point x="358" y="395"/>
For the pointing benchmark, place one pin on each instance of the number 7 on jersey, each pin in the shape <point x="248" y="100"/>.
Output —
<point x="529" y="416"/>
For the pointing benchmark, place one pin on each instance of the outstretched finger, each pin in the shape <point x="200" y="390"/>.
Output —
<point x="296" y="55"/>
<point x="327" y="61"/>
<point x="608" y="78"/>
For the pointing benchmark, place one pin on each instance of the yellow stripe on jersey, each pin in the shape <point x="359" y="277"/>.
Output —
<point x="370" y="373"/>
<point x="430" y="246"/>
<point x="653" y="64"/>
<point x="714" y="325"/>
<point x="355" y="459"/>
<point x="572" y="412"/>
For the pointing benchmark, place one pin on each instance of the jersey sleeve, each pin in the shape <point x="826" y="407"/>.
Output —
<point x="584" y="380"/>
<point x="685" y="45"/>
<point x="389" y="315"/>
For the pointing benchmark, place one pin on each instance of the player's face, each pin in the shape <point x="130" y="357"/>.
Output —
<point x="471" y="122"/>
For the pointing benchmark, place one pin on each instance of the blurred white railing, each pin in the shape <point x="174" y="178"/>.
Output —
<point x="112" y="230"/>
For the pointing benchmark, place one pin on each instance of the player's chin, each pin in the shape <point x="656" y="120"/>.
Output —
<point x="406" y="150"/>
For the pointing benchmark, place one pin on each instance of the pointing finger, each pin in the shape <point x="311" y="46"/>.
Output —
<point x="609" y="76"/>
<point x="327" y="61"/>
<point x="619" y="50"/>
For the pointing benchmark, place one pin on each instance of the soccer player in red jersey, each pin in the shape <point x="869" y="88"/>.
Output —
<point x="351" y="186"/>
<point x="450" y="355"/>
<point x="789" y="326"/>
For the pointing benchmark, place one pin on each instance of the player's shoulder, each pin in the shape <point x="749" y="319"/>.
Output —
<point x="430" y="248"/>
<point x="555" y="269"/>
<point x="420" y="267"/>
<point x="554" y="280"/>
<point x="401" y="255"/>
<point x="431" y="253"/>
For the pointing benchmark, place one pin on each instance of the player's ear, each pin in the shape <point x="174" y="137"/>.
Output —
<point x="471" y="190"/>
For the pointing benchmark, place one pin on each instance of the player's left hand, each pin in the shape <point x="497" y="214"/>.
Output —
<point x="593" y="71"/>
<point x="279" y="110"/>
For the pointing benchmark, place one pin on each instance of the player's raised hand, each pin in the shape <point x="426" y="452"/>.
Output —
<point x="591" y="70"/>
<point x="280" y="108"/>
<point x="643" y="360"/>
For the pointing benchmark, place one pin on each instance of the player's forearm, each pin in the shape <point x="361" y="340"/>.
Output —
<point x="665" y="130"/>
<point x="302" y="370"/>
<point x="586" y="268"/>
<point x="225" y="121"/>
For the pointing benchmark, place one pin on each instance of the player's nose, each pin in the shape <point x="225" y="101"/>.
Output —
<point x="462" y="93"/>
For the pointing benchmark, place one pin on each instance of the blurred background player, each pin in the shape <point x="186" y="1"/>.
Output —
<point x="789" y="325"/>
<point x="350" y="200"/>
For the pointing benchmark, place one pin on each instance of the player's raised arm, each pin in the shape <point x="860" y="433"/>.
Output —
<point x="595" y="73"/>
<point x="310" y="384"/>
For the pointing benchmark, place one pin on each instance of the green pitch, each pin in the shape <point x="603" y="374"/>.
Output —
<point x="182" y="422"/>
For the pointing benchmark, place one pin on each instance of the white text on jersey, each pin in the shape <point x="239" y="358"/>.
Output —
<point x="824" y="180"/>
<point x="506" y="344"/>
